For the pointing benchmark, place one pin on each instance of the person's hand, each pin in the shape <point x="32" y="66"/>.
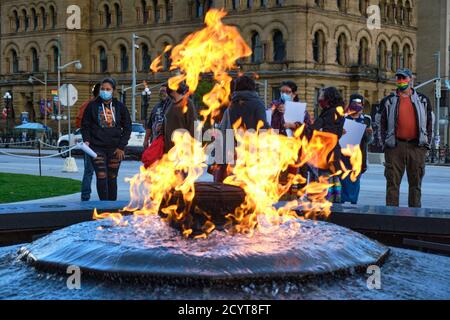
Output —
<point x="281" y="108"/>
<point x="120" y="154"/>
<point x="369" y="131"/>
<point x="87" y="143"/>
<point x="344" y="131"/>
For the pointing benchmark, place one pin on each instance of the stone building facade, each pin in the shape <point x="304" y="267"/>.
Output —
<point x="316" y="43"/>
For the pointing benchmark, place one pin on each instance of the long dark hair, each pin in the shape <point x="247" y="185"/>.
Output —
<point x="333" y="97"/>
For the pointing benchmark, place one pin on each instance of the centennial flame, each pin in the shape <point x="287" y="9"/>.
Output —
<point x="263" y="157"/>
<point x="212" y="50"/>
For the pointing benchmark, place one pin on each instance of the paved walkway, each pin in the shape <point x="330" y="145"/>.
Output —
<point x="436" y="186"/>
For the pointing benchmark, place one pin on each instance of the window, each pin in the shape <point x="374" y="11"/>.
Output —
<point x="407" y="57"/>
<point x="341" y="5"/>
<point x="257" y="49"/>
<point x="341" y="50"/>
<point x="34" y="17"/>
<point x="319" y="3"/>
<point x="363" y="4"/>
<point x="202" y="7"/>
<point x="26" y="20"/>
<point x="363" y="52"/>
<point x="169" y="10"/>
<point x="44" y="18"/>
<point x="383" y="10"/>
<point x="103" y="60"/>
<point x="234" y="4"/>
<point x="108" y="16"/>
<point x="263" y="4"/>
<point x="15" y="61"/>
<point x="407" y="13"/>
<point x="146" y="58"/>
<point x="55" y="59"/>
<point x="395" y="62"/>
<point x="123" y="59"/>
<point x="382" y="55"/>
<point x="319" y="47"/>
<point x="53" y="17"/>
<point x="118" y="12"/>
<point x="279" y="3"/>
<point x="156" y="13"/>
<point x="35" y="60"/>
<point x="16" y="20"/>
<point x="249" y="4"/>
<point x="279" y="47"/>
<point x="166" y="59"/>
<point x="145" y="13"/>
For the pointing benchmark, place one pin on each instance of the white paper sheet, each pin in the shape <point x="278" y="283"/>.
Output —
<point x="85" y="148"/>
<point x="295" y="112"/>
<point x="354" y="133"/>
<point x="269" y="116"/>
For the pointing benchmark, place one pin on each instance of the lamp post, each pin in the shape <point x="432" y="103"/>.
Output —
<point x="31" y="79"/>
<point x="7" y="97"/>
<point x="146" y="94"/>
<point x="134" y="46"/>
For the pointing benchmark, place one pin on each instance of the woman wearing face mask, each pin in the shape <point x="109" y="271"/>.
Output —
<point x="106" y="128"/>
<point x="350" y="189"/>
<point x="288" y="90"/>
<point x="331" y="120"/>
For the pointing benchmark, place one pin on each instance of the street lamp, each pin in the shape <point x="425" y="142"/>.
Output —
<point x="146" y="94"/>
<point x="7" y="97"/>
<point x="31" y="79"/>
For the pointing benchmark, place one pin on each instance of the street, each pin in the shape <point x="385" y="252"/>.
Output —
<point x="435" y="189"/>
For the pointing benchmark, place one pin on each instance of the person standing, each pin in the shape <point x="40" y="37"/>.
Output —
<point x="351" y="189"/>
<point x="156" y="120"/>
<point x="406" y="132"/>
<point x="106" y="128"/>
<point x="331" y="120"/>
<point x="88" y="167"/>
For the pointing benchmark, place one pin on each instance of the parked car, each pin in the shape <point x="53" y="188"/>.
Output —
<point x="135" y="144"/>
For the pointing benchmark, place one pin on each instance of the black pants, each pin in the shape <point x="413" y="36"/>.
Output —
<point x="106" y="167"/>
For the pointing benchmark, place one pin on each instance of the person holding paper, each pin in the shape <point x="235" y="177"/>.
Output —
<point x="88" y="168"/>
<point x="106" y="129"/>
<point x="288" y="90"/>
<point x="351" y="189"/>
<point x="331" y="119"/>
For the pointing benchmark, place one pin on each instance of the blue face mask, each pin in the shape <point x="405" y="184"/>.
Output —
<point x="286" y="98"/>
<point x="106" y="95"/>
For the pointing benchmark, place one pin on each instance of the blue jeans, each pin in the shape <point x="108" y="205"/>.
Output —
<point x="87" y="178"/>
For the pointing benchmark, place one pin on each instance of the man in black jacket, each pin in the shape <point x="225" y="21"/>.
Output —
<point x="106" y="128"/>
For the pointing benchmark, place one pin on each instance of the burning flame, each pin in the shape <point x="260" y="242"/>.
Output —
<point x="214" y="49"/>
<point x="262" y="156"/>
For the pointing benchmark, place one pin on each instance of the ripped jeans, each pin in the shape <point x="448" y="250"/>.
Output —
<point x="106" y="167"/>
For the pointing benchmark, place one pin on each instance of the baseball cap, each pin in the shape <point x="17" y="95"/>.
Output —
<point x="404" y="73"/>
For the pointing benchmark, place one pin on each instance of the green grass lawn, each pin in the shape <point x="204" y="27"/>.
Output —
<point x="21" y="187"/>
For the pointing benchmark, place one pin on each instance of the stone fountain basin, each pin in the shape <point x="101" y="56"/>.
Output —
<point x="149" y="249"/>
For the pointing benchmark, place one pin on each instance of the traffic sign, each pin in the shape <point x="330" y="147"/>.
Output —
<point x="68" y="91"/>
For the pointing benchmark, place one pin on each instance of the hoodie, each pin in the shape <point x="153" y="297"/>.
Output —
<point x="106" y="126"/>
<point x="249" y="107"/>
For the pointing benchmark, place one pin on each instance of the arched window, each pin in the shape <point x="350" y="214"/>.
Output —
<point x="16" y="20"/>
<point x="363" y="52"/>
<point x="407" y="13"/>
<point x="118" y="12"/>
<point x="123" y="59"/>
<point x="145" y="13"/>
<point x="263" y="4"/>
<point x="103" y="60"/>
<point x="53" y="17"/>
<point x="108" y="16"/>
<point x="146" y="58"/>
<point x="34" y="60"/>
<point x="319" y="47"/>
<point x="44" y="18"/>
<point x="169" y="10"/>
<point x="167" y="61"/>
<point x="55" y="59"/>
<point x="382" y="55"/>
<point x="249" y="4"/>
<point x="234" y="4"/>
<point x="257" y="50"/>
<point x="391" y="12"/>
<point x="279" y="47"/>
<point x="279" y="3"/>
<point x="156" y="13"/>
<point x="26" y="20"/>
<point x="395" y="58"/>
<point x="383" y="9"/>
<point x="407" y="57"/>
<point x="400" y="13"/>
<point x="363" y="5"/>
<point x="341" y="50"/>
<point x="34" y="18"/>
<point x="341" y="5"/>
<point x="199" y="9"/>
<point x="14" y="61"/>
